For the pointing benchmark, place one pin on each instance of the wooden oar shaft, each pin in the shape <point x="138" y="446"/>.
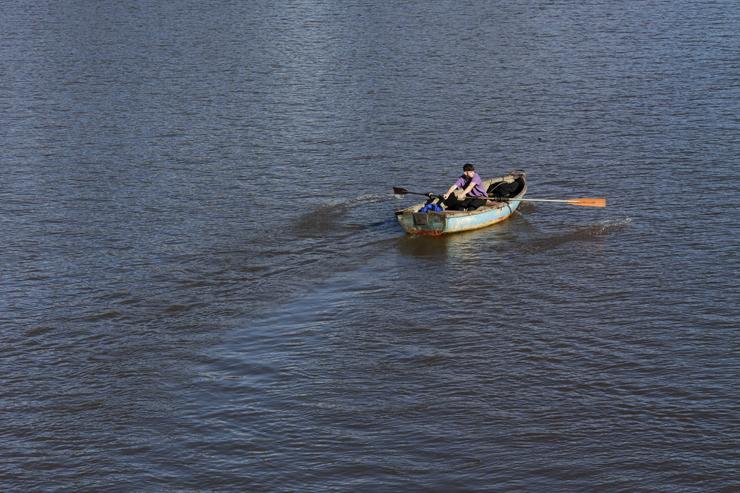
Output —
<point x="530" y="200"/>
<point x="584" y="202"/>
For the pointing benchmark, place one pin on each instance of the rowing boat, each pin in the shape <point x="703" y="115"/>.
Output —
<point x="506" y="190"/>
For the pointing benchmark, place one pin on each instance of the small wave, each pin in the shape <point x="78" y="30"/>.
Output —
<point x="612" y="226"/>
<point x="180" y="308"/>
<point x="106" y="315"/>
<point x="38" y="331"/>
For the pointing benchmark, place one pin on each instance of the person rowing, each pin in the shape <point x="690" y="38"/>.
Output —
<point x="472" y="188"/>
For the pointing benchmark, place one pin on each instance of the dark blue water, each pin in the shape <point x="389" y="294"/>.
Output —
<point x="203" y="287"/>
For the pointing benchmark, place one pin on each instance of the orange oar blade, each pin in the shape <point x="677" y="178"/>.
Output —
<point x="588" y="202"/>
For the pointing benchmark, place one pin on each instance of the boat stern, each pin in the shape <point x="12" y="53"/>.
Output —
<point x="422" y="223"/>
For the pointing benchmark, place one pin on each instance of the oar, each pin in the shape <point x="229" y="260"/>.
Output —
<point x="403" y="191"/>
<point x="583" y="202"/>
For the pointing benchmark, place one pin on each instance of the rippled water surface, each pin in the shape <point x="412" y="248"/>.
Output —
<point x="203" y="286"/>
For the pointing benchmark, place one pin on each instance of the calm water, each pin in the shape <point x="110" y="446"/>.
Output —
<point x="203" y="287"/>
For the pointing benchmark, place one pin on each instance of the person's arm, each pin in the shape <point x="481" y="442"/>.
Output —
<point x="469" y="188"/>
<point x="458" y="184"/>
<point x="450" y="190"/>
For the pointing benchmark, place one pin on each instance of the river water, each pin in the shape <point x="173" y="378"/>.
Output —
<point x="203" y="286"/>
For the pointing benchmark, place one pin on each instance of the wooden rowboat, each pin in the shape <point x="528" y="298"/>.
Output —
<point x="508" y="188"/>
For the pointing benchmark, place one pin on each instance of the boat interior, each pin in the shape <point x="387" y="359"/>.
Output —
<point x="499" y="188"/>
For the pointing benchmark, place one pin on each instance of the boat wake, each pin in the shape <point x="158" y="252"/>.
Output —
<point x="329" y="216"/>
<point x="584" y="233"/>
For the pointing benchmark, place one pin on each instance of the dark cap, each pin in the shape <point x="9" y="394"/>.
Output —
<point x="469" y="167"/>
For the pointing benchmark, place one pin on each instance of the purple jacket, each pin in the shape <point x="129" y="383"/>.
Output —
<point x="477" y="191"/>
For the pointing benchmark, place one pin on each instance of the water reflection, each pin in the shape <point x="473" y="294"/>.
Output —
<point x="515" y="234"/>
<point x="466" y="245"/>
<point x="423" y="246"/>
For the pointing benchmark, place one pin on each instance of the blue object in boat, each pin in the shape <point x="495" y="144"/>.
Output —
<point x="431" y="208"/>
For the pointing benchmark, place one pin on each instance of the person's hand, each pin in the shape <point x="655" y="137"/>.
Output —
<point x="445" y="196"/>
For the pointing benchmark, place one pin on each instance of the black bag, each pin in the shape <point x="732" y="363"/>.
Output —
<point x="503" y="190"/>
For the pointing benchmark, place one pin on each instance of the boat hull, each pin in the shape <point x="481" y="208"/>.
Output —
<point x="448" y="222"/>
